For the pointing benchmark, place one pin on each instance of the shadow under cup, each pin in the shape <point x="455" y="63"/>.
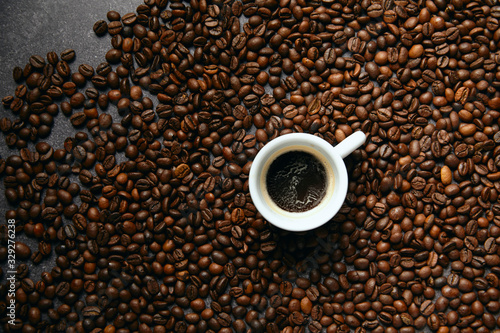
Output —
<point x="336" y="175"/>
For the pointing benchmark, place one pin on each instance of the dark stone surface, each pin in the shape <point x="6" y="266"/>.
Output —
<point x="29" y="27"/>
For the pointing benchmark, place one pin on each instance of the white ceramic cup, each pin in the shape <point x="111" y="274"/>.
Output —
<point x="332" y="159"/>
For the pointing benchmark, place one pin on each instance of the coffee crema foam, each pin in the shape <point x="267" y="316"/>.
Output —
<point x="296" y="181"/>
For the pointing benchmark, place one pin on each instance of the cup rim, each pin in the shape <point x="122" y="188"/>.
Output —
<point x="313" y="218"/>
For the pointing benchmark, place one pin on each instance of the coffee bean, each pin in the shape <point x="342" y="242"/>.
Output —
<point x="23" y="251"/>
<point x="115" y="27"/>
<point x="37" y="61"/>
<point x="78" y="119"/>
<point x="422" y="192"/>
<point x="100" y="27"/>
<point x="68" y="55"/>
<point x="427" y="308"/>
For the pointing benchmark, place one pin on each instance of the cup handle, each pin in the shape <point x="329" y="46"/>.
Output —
<point x="350" y="144"/>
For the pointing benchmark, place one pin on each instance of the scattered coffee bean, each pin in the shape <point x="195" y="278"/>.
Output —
<point x="158" y="233"/>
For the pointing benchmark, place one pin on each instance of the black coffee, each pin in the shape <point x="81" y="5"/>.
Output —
<point x="296" y="181"/>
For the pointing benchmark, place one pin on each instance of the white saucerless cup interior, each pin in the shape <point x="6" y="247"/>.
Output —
<point x="332" y="159"/>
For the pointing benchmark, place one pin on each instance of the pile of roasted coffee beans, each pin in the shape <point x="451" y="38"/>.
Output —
<point x="142" y="220"/>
